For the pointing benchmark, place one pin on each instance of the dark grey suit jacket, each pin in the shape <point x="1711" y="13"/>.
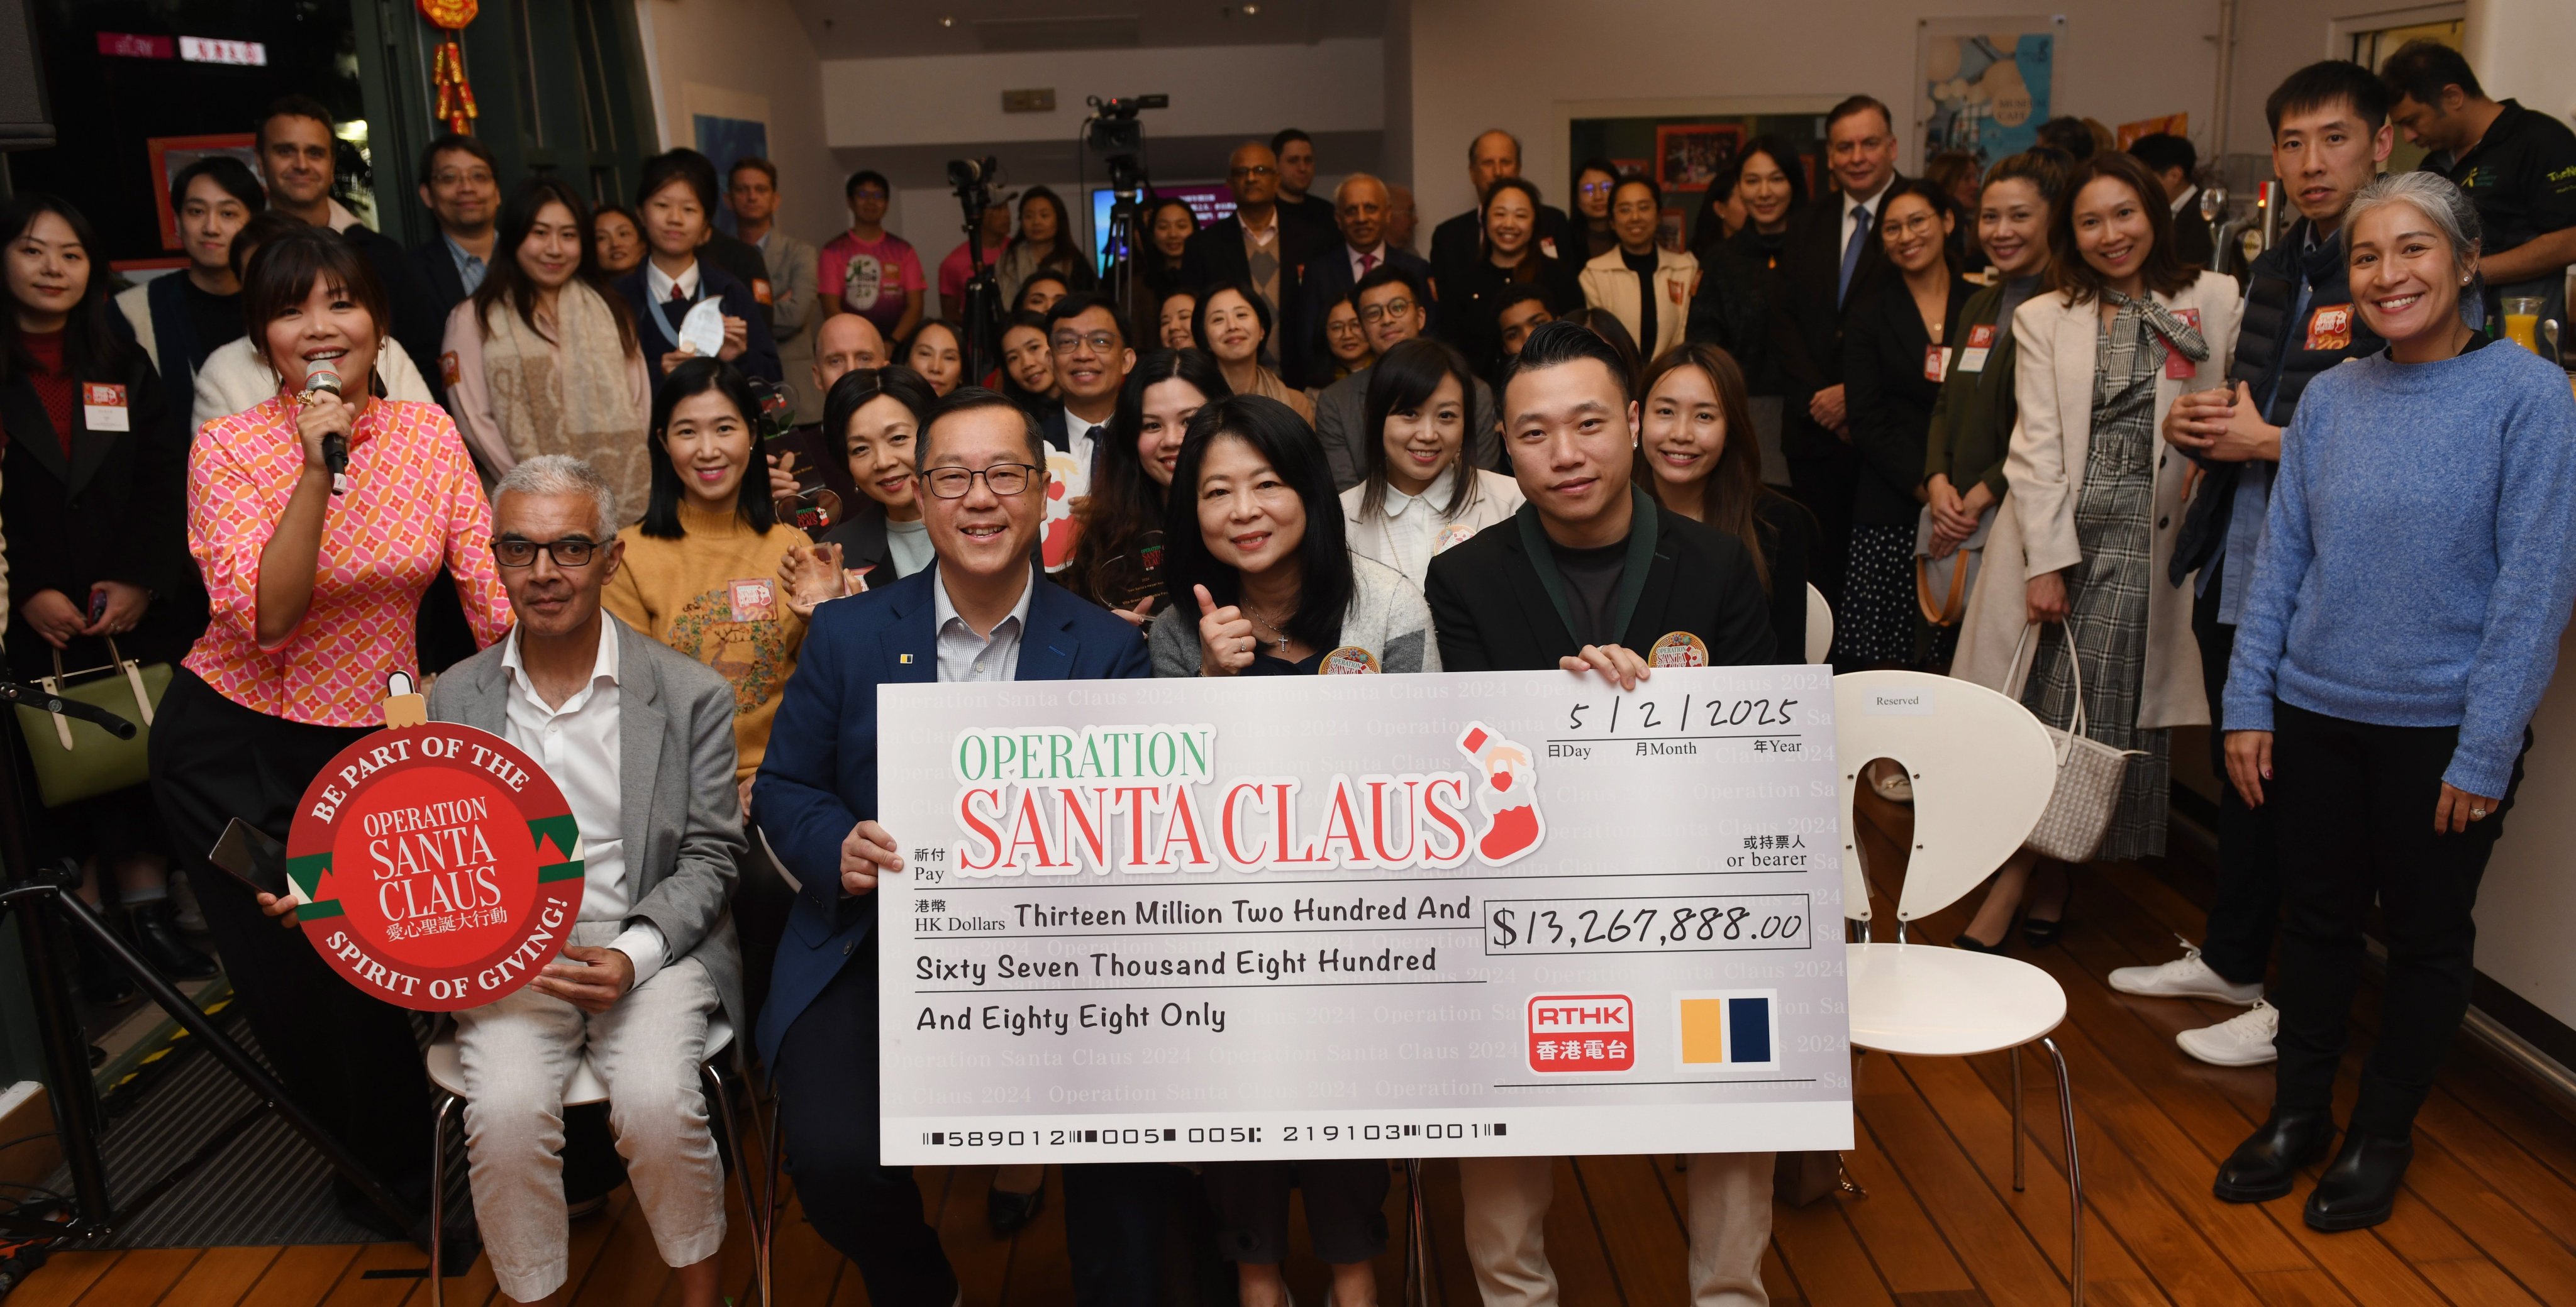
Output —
<point x="682" y="817"/>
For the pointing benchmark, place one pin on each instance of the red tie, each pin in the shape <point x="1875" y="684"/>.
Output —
<point x="1367" y="261"/>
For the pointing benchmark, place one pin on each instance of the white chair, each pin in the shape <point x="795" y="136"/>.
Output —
<point x="584" y="1085"/>
<point x="1820" y="625"/>
<point x="1982" y="769"/>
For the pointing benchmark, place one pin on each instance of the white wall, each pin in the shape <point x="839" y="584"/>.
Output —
<point x="2122" y="61"/>
<point x="1251" y="90"/>
<point x="2519" y="49"/>
<point x="747" y="58"/>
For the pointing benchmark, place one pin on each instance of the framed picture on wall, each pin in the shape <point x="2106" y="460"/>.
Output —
<point x="1689" y="157"/>
<point x="1672" y="228"/>
<point x="171" y="156"/>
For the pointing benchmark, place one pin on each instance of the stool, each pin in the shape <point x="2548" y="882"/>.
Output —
<point x="447" y="1073"/>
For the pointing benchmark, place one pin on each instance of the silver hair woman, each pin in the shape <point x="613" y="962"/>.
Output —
<point x="2417" y="567"/>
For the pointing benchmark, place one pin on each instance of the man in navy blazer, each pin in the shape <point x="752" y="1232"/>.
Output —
<point x="981" y="612"/>
<point x="675" y="205"/>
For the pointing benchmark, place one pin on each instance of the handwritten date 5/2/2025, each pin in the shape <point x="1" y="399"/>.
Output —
<point x="1681" y="714"/>
<point x="1702" y="924"/>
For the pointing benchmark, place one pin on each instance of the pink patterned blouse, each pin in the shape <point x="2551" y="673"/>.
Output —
<point x="413" y="507"/>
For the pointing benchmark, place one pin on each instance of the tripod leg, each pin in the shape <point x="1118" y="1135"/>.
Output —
<point x="243" y="1066"/>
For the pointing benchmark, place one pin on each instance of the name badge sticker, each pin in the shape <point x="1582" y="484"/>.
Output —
<point x="2178" y="365"/>
<point x="754" y="600"/>
<point x="1936" y="362"/>
<point x="1981" y="342"/>
<point x="103" y="407"/>
<point x="2330" y="327"/>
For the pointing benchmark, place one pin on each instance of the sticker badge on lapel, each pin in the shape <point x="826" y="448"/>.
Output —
<point x="760" y="289"/>
<point x="1349" y="660"/>
<point x="2330" y="327"/>
<point x="1456" y="533"/>
<point x="1981" y="342"/>
<point x="754" y="600"/>
<point x="2178" y="365"/>
<point x="103" y="407"/>
<point x="1678" y="649"/>
<point x="1936" y="362"/>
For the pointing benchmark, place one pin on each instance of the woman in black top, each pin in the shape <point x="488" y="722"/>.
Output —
<point x="1772" y="183"/>
<point x="1593" y="184"/>
<point x="872" y="416"/>
<point x="93" y="512"/>
<point x="1511" y="254"/>
<point x="1697" y="455"/>
<point x="1118" y="558"/>
<point x="1896" y="350"/>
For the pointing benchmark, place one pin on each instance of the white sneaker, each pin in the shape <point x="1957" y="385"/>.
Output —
<point x="2244" y="1039"/>
<point x="2184" y="977"/>
<point x="1892" y="784"/>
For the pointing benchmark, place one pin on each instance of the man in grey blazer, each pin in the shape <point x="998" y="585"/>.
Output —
<point x="640" y="740"/>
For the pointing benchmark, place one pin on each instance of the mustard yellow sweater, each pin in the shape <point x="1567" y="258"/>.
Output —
<point x="682" y="593"/>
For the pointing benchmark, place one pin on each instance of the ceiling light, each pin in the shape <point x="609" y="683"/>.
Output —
<point x="1250" y="10"/>
<point x="947" y="22"/>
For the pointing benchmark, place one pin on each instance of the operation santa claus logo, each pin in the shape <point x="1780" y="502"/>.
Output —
<point x="1145" y="800"/>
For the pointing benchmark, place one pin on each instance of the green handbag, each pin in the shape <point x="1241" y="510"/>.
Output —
<point x="76" y="760"/>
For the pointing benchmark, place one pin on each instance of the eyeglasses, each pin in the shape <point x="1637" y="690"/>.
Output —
<point x="1921" y="224"/>
<point x="1347" y="327"/>
<point x="1101" y="342"/>
<point x="1256" y="170"/>
<point x="571" y="551"/>
<point x="1599" y="188"/>
<point x="1374" y="314"/>
<point x="1001" y="478"/>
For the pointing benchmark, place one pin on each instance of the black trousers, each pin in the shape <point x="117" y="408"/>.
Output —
<point x="827" y="1104"/>
<point x="2237" y="944"/>
<point x="350" y="1060"/>
<point x="2356" y="820"/>
<point x="1824" y="483"/>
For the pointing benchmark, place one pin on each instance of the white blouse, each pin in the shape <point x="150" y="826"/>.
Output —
<point x="1408" y="531"/>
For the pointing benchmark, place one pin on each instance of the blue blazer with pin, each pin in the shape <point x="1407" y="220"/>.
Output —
<point x="819" y="777"/>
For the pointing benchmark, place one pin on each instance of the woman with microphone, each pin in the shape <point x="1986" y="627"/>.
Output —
<point x="313" y="582"/>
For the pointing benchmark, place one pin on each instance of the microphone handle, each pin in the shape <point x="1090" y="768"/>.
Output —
<point x="335" y="460"/>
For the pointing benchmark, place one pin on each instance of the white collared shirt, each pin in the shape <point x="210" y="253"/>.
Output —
<point x="2186" y="197"/>
<point x="658" y="284"/>
<point x="1851" y="207"/>
<point x="1081" y="438"/>
<point x="578" y="744"/>
<point x="966" y="656"/>
<point x="1377" y="257"/>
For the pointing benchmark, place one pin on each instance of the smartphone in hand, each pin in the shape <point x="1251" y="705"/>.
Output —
<point x="249" y="855"/>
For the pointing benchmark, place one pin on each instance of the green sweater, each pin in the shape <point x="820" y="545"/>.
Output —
<point x="1972" y="421"/>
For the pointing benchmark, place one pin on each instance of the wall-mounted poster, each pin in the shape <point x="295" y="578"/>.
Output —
<point x="728" y="139"/>
<point x="1689" y="156"/>
<point x="1984" y="85"/>
<point x="171" y="155"/>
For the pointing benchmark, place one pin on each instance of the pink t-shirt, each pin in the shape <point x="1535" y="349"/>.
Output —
<point x="954" y="270"/>
<point x="869" y="276"/>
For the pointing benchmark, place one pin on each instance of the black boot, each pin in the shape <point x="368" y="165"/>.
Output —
<point x="2264" y="1165"/>
<point x="2360" y="1188"/>
<point x="156" y="937"/>
<point x="98" y="980"/>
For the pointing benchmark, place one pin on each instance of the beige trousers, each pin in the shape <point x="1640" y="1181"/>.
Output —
<point x="1506" y="1218"/>
<point x="647" y="1047"/>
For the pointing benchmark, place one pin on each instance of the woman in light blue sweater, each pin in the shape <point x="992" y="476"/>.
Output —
<point x="2416" y="571"/>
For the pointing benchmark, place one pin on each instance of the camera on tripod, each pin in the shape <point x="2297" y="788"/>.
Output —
<point x="1113" y="130"/>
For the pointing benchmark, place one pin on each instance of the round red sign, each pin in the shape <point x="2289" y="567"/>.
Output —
<point x="440" y="867"/>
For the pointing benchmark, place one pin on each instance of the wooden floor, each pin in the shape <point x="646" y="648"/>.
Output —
<point x="2488" y="1220"/>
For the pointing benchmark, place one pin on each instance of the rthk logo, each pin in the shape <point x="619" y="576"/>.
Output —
<point x="1582" y="1032"/>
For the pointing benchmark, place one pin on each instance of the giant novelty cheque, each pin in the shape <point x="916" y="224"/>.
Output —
<point x="1356" y="916"/>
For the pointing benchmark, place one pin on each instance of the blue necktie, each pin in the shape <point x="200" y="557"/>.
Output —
<point x="1851" y="252"/>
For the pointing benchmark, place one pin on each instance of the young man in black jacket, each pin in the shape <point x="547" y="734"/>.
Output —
<point x="1589" y="576"/>
<point x="2330" y="133"/>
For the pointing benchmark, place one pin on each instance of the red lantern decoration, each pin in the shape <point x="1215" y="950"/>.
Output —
<point x="447" y="71"/>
